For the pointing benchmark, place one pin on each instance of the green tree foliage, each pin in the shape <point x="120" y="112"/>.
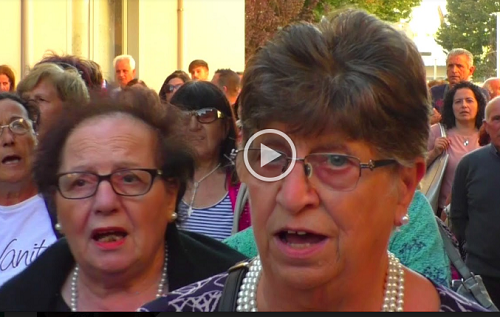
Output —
<point x="387" y="10"/>
<point x="471" y="24"/>
<point x="264" y="17"/>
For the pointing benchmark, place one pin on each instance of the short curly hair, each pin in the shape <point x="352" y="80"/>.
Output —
<point x="448" y="119"/>
<point x="351" y="74"/>
<point x="174" y="158"/>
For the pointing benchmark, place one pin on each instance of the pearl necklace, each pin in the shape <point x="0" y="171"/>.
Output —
<point x="195" y="185"/>
<point x="393" y="289"/>
<point x="161" y="286"/>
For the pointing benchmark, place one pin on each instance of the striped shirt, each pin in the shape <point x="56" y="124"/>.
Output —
<point x="215" y="221"/>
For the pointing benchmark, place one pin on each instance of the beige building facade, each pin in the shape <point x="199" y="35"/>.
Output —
<point x="161" y="35"/>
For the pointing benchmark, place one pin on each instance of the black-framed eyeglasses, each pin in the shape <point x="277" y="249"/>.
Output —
<point x="19" y="126"/>
<point x="171" y="88"/>
<point x="125" y="182"/>
<point x="206" y="115"/>
<point x="338" y="171"/>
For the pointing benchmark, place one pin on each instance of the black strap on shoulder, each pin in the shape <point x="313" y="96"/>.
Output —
<point x="231" y="289"/>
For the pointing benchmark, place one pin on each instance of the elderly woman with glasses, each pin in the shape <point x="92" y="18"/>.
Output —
<point x="349" y="111"/>
<point x="208" y="204"/>
<point x="26" y="227"/>
<point x="114" y="172"/>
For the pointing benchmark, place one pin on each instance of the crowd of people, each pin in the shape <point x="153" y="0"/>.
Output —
<point x="116" y="197"/>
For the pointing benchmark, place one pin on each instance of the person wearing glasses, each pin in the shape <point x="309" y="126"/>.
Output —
<point x="26" y="227"/>
<point x="208" y="204"/>
<point x="114" y="172"/>
<point x="351" y="94"/>
<point x="172" y="83"/>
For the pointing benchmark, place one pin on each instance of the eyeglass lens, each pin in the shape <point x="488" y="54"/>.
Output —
<point x="19" y="126"/>
<point x="339" y="172"/>
<point x="125" y="182"/>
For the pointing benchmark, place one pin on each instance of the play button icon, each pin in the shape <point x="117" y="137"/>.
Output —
<point x="267" y="155"/>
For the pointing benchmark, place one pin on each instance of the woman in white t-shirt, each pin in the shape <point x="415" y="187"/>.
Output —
<point x="26" y="227"/>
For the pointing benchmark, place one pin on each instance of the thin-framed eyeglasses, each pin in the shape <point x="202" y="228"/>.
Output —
<point x="171" y="88"/>
<point x="206" y="115"/>
<point x="339" y="172"/>
<point x="125" y="182"/>
<point x="19" y="126"/>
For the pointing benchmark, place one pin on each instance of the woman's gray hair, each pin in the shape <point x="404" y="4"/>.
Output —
<point x="351" y="74"/>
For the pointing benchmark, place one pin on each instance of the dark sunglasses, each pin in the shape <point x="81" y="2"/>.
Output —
<point x="206" y="115"/>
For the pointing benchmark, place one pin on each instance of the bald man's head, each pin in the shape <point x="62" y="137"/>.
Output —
<point x="492" y="85"/>
<point x="492" y="121"/>
<point x="494" y="103"/>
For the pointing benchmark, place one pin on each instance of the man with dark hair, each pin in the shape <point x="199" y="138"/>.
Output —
<point x="198" y="70"/>
<point x="229" y="82"/>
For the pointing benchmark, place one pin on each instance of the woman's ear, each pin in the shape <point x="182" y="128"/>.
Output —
<point x="409" y="178"/>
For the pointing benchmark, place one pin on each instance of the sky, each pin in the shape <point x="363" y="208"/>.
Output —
<point x="424" y="24"/>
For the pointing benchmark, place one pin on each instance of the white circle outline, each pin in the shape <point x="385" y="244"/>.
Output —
<point x="290" y="166"/>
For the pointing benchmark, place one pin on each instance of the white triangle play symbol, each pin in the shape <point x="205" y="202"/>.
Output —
<point x="267" y="155"/>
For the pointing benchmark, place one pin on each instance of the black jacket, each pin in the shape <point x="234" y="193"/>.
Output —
<point x="192" y="257"/>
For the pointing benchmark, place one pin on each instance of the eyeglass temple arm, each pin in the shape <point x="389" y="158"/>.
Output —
<point x="377" y="163"/>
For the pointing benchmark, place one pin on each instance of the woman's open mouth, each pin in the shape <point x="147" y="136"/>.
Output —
<point x="109" y="238"/>
<point x="300" y="239"/>
<point x="11" y="160"/>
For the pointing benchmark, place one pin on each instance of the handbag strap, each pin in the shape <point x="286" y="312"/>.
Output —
<point x="241" y="200"/>
<point x="469" y="280"/>
<point x="443" y="130"/>
<point x="229" y="297"/>
<point x="453" y="254"/>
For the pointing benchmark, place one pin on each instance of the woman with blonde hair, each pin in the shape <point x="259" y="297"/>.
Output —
<point x="50" y="87"/>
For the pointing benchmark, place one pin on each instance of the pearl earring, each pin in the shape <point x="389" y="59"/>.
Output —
<point x="405" y="220"/>
<point x="58" y="227"/>
<point x="174" y="216"/>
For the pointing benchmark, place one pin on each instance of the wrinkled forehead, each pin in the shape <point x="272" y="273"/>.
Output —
<point x="277" y="133"/>
<point x="10" y="110"/>
<point x="458" y="59"/>
<point x="123" y="64"/>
